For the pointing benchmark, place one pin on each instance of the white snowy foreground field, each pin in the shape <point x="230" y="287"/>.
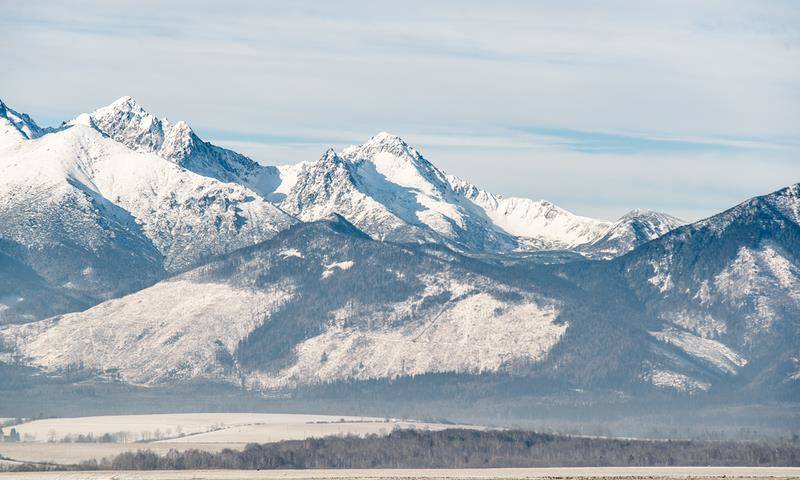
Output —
<point x="44" y="440"/>
<point x="652" y="473"/>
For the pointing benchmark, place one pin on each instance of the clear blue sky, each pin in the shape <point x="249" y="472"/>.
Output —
<point x="682" y="106"/>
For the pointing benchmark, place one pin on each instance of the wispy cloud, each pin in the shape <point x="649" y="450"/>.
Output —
<point x="618" y="88"/>
<point x="610" y="142"/>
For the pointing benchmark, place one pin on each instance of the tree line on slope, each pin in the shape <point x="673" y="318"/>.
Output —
<point x="460" y="448"/>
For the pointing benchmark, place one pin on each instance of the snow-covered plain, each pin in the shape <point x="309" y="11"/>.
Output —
<point x="265" y="432"/>
<point x="229" y="428"/>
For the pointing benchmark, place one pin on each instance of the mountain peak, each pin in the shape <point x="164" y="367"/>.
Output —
<point x="333" y="222"/>
<point x="646" y="215"/>
<point x="127" y="122"/>
<point x="19" y="126"/>
<point x="330" y="154"/>
<point x="638" y="226"/>
<point x="125" y="104"/>
<point x="380" y="143"/>
<point x="125" y="99"/>
<point x="637" y="212"/>
<point x="386" y="138"/>
<point x="396" y="161"/>
<point x="786" y="200"/>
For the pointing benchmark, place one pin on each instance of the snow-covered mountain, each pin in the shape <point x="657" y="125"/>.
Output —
<point x="117" y="198"/>
<point x="709" y="307"/>
<point x="181" y="260"/>
<point x="15" y="126"/>
<point x="537" y="224"/>
<point x="96" y="219"/>
<point x="320" y="302"/>
<point x="384" y="186"/>
<point x="128" y="123"/>
<point x="389" y="190"/>
<point x="55" y="223"/>
<point x="633" y="229"/>
<point x="733" y="280"/>
<point x="719" y="298"/>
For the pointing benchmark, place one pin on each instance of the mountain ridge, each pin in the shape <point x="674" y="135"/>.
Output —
<point x="418" y="202"/>
<point x="346" y="307"/>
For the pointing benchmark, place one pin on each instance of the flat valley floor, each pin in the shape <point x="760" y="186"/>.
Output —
<point x="652" y="473"/>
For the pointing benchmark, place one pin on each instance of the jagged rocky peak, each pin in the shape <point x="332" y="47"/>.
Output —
<point x="787" y="200"/>
<point x="127" y="122"/>
<point x="329" y="165"/>
<point x="330" y="156"/>
<point x="637" y="212"/>
<point x="632" y="229"/>
<point x="381" y="142"/>
<point x="179" y="142"/>
<point x="398" y="162"/>
<point x="16" y="125"/>
<point x="652" y="223"/>
<point x="385" y="145"/>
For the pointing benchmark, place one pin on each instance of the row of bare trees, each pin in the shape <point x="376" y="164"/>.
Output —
<point x="458" y="448"/>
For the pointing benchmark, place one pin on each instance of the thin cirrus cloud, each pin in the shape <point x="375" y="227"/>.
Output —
<point x="682" y="106"/>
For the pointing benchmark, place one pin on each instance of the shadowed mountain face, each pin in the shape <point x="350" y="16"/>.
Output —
<point x="26" y="296"/>
<point x="323" y="302"/>
<point x="733" y="278"/>
<point x="320" y="302"/>
<point x="633" y="229"/>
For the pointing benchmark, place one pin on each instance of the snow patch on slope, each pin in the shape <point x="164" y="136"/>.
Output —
<point x="291" y="252"/>
<point x="676" y="381"/>
<point x="330" y="269"/>
<point x="16" y="127"/>
<point x="661" y="278"/>
<point x="754" y="271"/>
<point x="710" y="351"/>
<point x="765" y="278"/>
<point x="474" y="333"/>
<point x="173" y="330"/>
<point x="540" y="223"/>
<point x="699" y="323"/>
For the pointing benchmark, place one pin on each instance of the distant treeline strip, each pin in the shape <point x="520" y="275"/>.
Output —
<point x="458" y="448"/>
